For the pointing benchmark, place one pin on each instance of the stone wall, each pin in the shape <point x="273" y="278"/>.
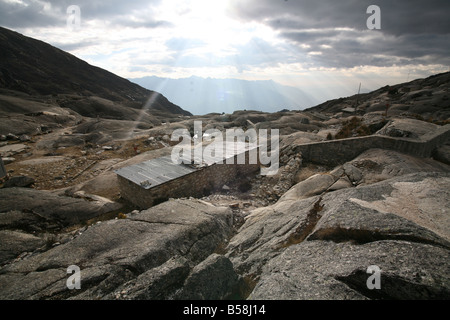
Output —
<point x="195" y="184"/>
<point x="336" y="152"/>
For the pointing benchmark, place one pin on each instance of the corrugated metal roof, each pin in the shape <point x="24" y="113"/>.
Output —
<point x="152" y="173"/>
<point x="229" y="150"/>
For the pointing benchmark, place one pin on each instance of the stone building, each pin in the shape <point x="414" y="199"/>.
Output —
<point x="152" y="182"/>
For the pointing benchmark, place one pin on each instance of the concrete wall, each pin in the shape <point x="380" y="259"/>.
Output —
<point x="195" y="184"/>
<point x="336" y="152"/>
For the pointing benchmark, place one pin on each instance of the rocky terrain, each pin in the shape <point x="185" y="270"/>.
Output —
<point x="309" y="232"/>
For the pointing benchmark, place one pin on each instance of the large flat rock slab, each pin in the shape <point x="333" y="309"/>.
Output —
<point x="407" y="128"/>
<point x="380" y="164"/>
<point x="50" y="207"/>
<point x="12" y="149"/>
<point x="317" y="270"/>
<point x="112" y="253"/>
<point x="297" y="249"/>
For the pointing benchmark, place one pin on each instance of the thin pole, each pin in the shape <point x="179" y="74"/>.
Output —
<point x="357" y="97"/>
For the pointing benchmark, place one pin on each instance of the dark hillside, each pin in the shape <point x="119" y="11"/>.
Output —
<point x="37" y="68"/>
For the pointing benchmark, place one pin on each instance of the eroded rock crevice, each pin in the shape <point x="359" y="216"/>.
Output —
<point x="361" y="236"/>
<point x="394" y="287"/>
<point x="306" y="227"/>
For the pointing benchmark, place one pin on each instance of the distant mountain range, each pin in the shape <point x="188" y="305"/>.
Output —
<point x="208" y="95"/>
<point x="38" y="69"/>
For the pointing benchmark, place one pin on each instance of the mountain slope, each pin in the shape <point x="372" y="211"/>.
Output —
<point x="427" y="98"/>
<point x="207" y="95"/>
<point x="37" y="68"/>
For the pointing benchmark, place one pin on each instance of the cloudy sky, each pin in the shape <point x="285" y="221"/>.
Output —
<point x="323" y="47"/>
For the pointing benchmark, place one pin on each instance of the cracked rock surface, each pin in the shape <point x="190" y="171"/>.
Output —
<point x="317" y="241"/>
<point x="112" y="253"/>
<point x="329" y="270"/>
<point x="321" y="246"/>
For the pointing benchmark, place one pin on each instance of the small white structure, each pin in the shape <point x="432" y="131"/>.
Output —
<point x="349" y="110"/>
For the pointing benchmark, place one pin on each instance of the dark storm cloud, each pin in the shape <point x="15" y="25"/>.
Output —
<point x="325" y="33"/>
<point x="97" y="9"/>
<point x="15" y="15"/>
<point x="135" y="13"/>
<point x="399" y="17"/>
<point x="336" y="31"/>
